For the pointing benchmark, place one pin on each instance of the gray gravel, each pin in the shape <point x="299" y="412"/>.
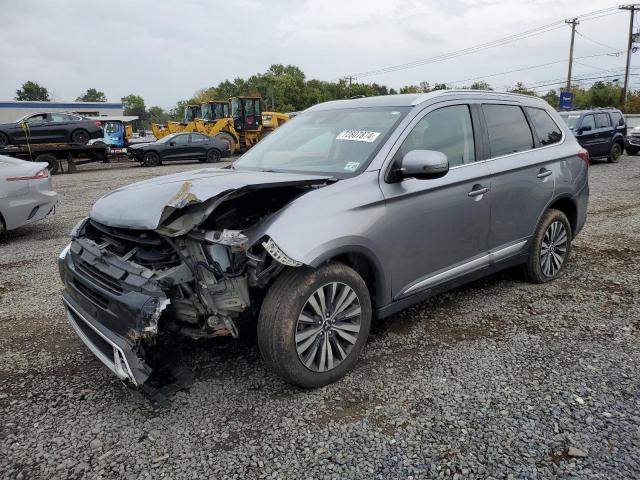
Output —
<point x="497" y="379"/>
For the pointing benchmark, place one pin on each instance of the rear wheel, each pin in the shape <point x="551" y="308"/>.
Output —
<point x="54" y="163"/>
<point x="550" y="248"/>
<point x="615" y="153"/>
<point x="213" y="156"/>
<point x="4" y="140"/>
<point x="80" y="136"/>
<point x="228" y="138"/>
<point x="314" y="323"/>
<point x="151" y="159"/>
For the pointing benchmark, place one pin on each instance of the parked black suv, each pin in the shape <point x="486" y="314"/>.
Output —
<point x="601" y="132"/>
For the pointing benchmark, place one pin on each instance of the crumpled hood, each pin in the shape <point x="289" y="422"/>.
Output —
<point x="144" y="205"/>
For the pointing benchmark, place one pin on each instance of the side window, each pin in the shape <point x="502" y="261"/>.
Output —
<point x="181" y="139"/>
<point x="58" y="117"/>
<point x="617" y="119"/>
<point x="602" y="120"/>
<point x="197" y="138"/>
<point x="588" y="121"/>
<point x="508" y="129"/>
<point x="37" y="119"/>
<point x="547" y="130"/>
<point x="447" y="130"/>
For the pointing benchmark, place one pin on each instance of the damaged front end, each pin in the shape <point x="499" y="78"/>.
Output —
<point x="195" y="273"/>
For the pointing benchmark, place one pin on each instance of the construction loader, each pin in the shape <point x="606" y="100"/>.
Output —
<point x="191" y="113"/>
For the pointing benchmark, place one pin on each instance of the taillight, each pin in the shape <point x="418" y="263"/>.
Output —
<point x="584" y="155"/>
<point x="98" y="124"/>
<point x="44" y="173"/>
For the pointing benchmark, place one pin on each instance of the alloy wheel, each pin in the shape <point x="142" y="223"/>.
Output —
<point x="554" y="248"/>
<point x="328" y="327"/>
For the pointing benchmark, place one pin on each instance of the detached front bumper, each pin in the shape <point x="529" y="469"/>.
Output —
<point x="113" y="311"/>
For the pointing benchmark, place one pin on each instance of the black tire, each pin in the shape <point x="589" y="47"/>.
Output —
<point x="151" y="159"/>
<point x="213" y="156"/>
<point x="54" y="163"/>
<point x="80" y="137"/>
<point x="632" y="150"/>
<point x="4" y="140"/>
<point x="278" y="323"/>
<point x="535" y="270"/>
<point x="227" y="137"/>
<point x="615" y="153"/>
<point x="3" y="227"/>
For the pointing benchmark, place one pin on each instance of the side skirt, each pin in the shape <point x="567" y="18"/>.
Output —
<point x="406" y="302"/>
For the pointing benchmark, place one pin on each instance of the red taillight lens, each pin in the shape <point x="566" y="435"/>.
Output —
<point x="98" y="124"/>
<point x="584" y="155"/>
<point x="44" y="173"/>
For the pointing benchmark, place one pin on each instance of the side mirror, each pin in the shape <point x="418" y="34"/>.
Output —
<point x="621" y="122"/>
<point x="586" y="128"/>
<point x="424" y="164"/>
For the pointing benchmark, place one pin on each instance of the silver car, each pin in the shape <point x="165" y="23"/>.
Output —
<point x="26" y="195"/>
<point x="352" y="212"/>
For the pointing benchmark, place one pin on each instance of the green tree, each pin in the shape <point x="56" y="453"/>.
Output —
<point x="522" y="89"/>
<point x="92" y="95"/>
<point x="134" y="105"/>
<point x="32" y="91"/>
<point x="481" y="85"/>
<point x="552" y="98"/>
<point x="157" y="115"/>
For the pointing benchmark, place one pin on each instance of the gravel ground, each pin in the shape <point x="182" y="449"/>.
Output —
<point x="497" y="379"/>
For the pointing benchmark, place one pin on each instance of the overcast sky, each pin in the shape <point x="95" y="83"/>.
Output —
<point x="165" y="51"/>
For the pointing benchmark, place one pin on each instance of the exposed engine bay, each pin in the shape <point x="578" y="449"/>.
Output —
<point x="141" y="284"/>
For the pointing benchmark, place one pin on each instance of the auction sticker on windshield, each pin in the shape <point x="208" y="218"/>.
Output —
<point x="358" y="135"/>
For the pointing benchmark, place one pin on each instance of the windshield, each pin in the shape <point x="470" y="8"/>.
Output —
<point x="338" y="142"/>
<point x="570" y="119"/>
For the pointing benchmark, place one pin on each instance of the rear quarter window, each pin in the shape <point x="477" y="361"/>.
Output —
<point x="508" y="129"/>
<point x="547" y="129"/>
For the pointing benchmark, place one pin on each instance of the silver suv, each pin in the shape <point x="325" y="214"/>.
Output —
<point x="352" y="211"/>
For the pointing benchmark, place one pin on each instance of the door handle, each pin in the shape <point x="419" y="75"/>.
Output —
<point x="544" y="173"/>
<point x="477" y="191"/>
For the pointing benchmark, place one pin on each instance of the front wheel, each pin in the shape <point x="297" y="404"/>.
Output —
<point x="632" y="150"/>
<point x="314" y="323"/>
<point x="4" y="140"/>
<point x="550" y="248"/>
<point x="615" y="153"/>
<point x="151" y="159"/>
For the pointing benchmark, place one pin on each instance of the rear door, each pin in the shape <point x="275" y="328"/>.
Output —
<point x="522" y="160"/>
<point x="199" y="145"/>
<point x="59" y="127"/>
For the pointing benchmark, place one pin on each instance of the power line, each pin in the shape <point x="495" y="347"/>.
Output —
<point x="483" y="46"/>
<point x="596" y="41"/>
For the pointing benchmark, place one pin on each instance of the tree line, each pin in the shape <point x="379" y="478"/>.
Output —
<point x="285" y="88"/>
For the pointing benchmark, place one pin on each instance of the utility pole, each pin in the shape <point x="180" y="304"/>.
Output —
<point x="573" y="22"/>
<point x="350" y="78"/>
<point x="632" y="9"/>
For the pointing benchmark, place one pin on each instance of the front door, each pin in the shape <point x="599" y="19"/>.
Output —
<point x="439" y="227"/>
<point x="179" y="147"/>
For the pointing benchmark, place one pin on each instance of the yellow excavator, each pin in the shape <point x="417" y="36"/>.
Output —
<point x="191" y="113"/>
<point x="240" y="121"/>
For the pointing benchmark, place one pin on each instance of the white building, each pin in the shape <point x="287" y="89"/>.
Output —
<point x="12" y="110"/>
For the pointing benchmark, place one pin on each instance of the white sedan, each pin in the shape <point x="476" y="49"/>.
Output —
<point x="26" y="194"/>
